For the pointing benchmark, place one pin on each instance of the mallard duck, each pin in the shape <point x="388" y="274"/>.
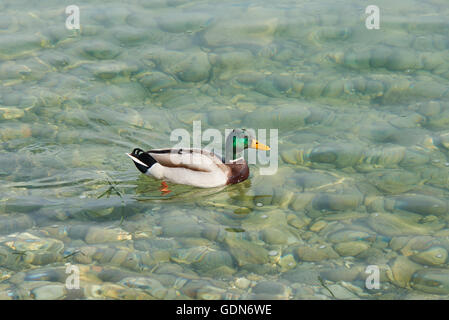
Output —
<point x="197" y="167"/>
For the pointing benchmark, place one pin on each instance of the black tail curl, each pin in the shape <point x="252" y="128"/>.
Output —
<point x="136" y="152"/>
<point x="144" y="157"/>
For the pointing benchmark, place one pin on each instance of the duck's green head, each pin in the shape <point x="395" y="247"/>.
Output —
<point x="239" y="140"/>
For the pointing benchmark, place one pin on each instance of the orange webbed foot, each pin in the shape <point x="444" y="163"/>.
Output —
<point x="164" y="188"/>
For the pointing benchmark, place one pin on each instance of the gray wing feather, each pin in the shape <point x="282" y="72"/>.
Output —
<point x="193" y="159"/>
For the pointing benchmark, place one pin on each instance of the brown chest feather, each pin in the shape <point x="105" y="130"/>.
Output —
<point x="239" y="172"/>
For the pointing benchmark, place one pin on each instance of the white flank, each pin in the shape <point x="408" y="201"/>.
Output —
<point x="156" y="171"/>
<point x="200" y="179"/>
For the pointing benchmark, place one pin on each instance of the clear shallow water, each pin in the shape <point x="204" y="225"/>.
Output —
<point x="363" y="174"/>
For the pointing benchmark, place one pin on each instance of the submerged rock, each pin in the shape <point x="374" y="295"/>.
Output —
<point x="310" y="182"/>
<point x="274" y="236"/>
<point x="20" y="44"/>
<point x="181" y="22"/>
<point x="101" y="235"/>
<point x="287" y="262"/>
<point x="318" y="226"/>
<point x="434" y="256"/>
<point x="342" y="273"/>
<point x="402" y="60"/>
<point x="210" y="293"/>
<point x="340" y="292"/>
<point x="194" y="68"/>
<point x="114" y="291"/>
<point x="386" y="156"/>
<point x="334" y="88"/>
<point x="359" y="59"/>
<point x="235" y="33"/>
<point x="351" y="248"/>
<point x="394" y="181"/>
<point x="285" y="116"/>
<point x="402" y="270"/>
<point x="49" y="292"/>
<point x="348" y="235"/>
<point x="444" y="139"/>
<point x="336" y="202"/>
<point x="100" y="50"/>
<point x="157" y="81"/>
<point x="149" y="285"/>
<point x="242" y="283"/>
<point x="189" y="255"/>
<point x="421" y="204"/>
<point x="431" y="281"/>
<point x="397" y="225"/>
<point x="33" y="249"/>
<point x="179" y="226"/>
<point x="8" y="259"/>
<point x="214" y="261"/>
<point x="15" y="222"/>
<point x="428" y="89"/>
<point x="130" y="36"/>
<point x="46" y="274"/>
<point x="304" y="273"/>
<point x="298" y="221"/>
<point x="190" y="66"/>
<point x="270" y="290"/>
<point x="313" y="89"/>
<point x="316" y="252"/>
<point x="379" y="56"/>
<point x="341" y="155"/>
<point x="245" y="252"/>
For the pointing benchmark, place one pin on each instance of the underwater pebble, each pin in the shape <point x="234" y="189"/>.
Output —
<point x="431" y="280"/>
<point x="245" y="252"/>
<point x="316" y="253"/>
<point x="433" y="256"/>
<point x="242" y="283"/>
<point x="49" y="292"/>
<point x="351" y="249"/>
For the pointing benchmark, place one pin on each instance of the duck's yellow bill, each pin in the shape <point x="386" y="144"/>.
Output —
<point x="260" y="146"/>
